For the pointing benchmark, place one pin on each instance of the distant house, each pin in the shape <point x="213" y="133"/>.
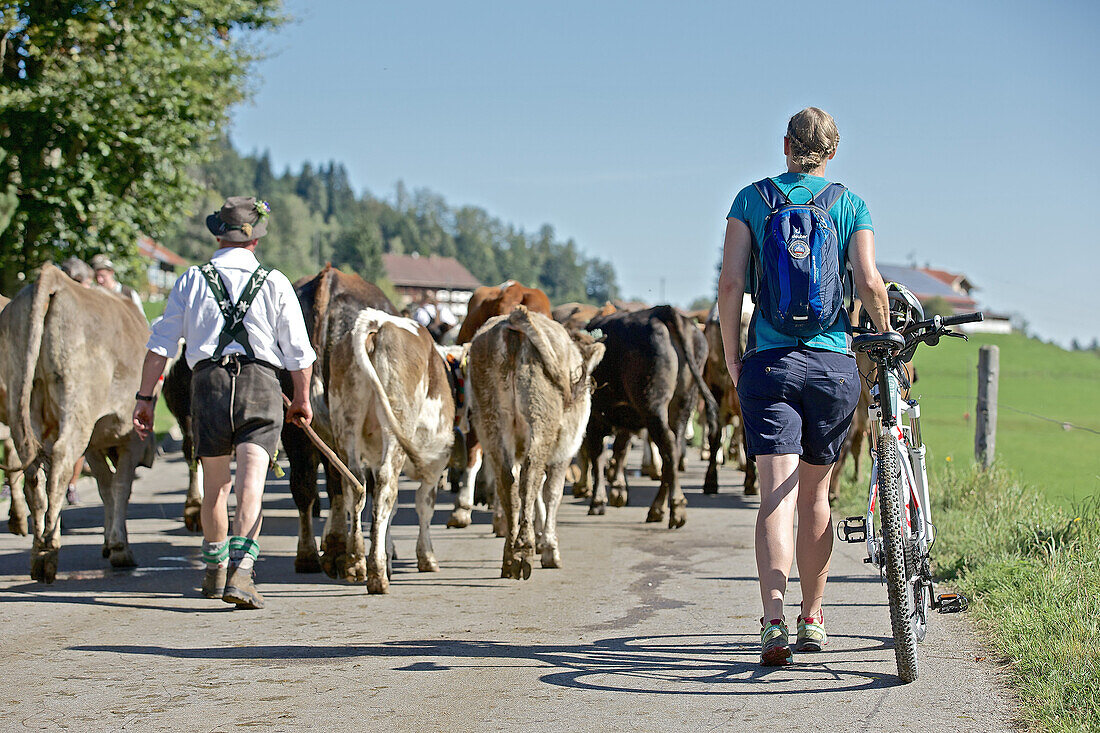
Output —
<point x="441" y="279"/>
<point x="161" y="269"/>
<point x="927" y="283"/>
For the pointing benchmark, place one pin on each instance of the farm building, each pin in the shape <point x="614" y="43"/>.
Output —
<point x="161" y="270"/>
<point x="927" y="283"/>
<point x="440" y="279"/>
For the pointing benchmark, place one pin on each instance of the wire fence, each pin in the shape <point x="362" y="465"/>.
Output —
<point x="1065" y="424"/>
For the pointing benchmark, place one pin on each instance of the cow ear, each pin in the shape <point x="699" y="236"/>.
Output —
<point x="592" y="354"/>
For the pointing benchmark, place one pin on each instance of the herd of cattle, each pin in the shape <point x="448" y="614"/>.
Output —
<point x="530" y="392"/>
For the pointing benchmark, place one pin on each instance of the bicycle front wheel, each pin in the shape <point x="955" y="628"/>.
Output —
<point x="895" y="540"/>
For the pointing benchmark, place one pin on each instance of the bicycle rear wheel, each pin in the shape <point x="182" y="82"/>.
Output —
<point x="895" y="541"/>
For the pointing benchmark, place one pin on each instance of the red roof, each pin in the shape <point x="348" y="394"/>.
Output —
<point x="428" y="272"/>
<point x="154" y="251"/>
<point x="954" y="279"/>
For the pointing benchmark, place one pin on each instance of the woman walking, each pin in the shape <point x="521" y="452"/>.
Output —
<point x="797" y="379"/>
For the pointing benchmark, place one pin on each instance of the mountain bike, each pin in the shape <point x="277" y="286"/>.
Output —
<point x="900" y="542"/>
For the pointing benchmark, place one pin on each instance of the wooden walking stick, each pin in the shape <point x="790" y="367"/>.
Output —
<point x="327" y="452"/>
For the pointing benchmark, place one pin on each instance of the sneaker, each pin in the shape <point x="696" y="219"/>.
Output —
<point x="213" y="582"/>
<point x="240" y="589"/>
<point x="775" y="648"/>
<point x="71" y="497"/>
<point x="811" y="633"/>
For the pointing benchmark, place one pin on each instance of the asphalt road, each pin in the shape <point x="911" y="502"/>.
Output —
<point x="642" y="629"/>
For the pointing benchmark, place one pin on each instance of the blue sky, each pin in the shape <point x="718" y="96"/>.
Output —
<point x="971" y="129"/>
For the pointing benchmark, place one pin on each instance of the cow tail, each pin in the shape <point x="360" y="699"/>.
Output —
<point x="362" y="334"/>
<point x="44" y="289"/>
<point x="676" y="326"/>
<point x="520" y="320"/>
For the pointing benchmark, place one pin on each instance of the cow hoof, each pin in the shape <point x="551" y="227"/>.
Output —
<point x="551" y="558"/>
<point x="44" y="565"/>
<point x="378" y="583"/>
<point x="751" y="491"/>
<point x="427" y="564"/>
<point x="655" y="515"/>
<point x="459" y="518"/>
<point x="677" y="518"/>
<point x="525" y="569"/>
<point x="105" y="551"/>
<point x="597" y="510"/>
<point x="710" y="489"/>
<point x="122" y="558"/>
<point x="617" y="497"/>
<point x="192" y="518"/>
<point x="500" y="527"/>
<point x="18" y="525"/>
<point x="355" y="570"/>
<point x="307" y="564"/>
<point x="580" y="491"/>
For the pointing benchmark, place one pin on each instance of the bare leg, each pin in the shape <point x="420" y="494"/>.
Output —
<point x="216" y="485"/>
<point x="775" y="528"/>
<point x="252" y="464"/>
<point x="814" y="543"/>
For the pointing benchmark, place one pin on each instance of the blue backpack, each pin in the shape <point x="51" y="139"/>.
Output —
<point x="798" y="282"/>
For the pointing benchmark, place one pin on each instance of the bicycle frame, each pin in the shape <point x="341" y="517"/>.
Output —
<point x="911" y="461"/>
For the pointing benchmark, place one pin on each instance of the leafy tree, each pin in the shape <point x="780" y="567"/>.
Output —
<point x="359" y="247"/>
<point x="703" y="302"/>
<point x="938" y="306"/>
<point x="105" y="110"/>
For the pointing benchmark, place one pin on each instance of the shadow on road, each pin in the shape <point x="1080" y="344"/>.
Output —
<point x="700" y="664"/>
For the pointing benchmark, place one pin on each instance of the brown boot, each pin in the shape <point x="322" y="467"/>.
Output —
<point x="240" y="589"/>
<point x="213" y="582"/>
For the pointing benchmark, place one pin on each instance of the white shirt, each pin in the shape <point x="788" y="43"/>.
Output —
<point x="275" y="326"/>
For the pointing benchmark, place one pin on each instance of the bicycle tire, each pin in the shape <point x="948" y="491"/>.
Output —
<point x="892" y="519"/>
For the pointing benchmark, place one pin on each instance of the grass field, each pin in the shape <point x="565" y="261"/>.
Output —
<point x="1037" y="378"/>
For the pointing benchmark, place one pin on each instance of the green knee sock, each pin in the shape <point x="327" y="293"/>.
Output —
<point x="215" y="554"/>
<point x="243" y="552"/>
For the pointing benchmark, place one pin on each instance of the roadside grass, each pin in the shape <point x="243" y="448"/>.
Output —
<point x="1038" y="378"/>
<point x="1032" y="571"/>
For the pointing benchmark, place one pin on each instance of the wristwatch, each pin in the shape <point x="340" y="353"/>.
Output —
<point x="144" y="397"/>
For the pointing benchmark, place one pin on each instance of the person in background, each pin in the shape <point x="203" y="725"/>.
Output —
<point x="798" y="394"/>
<point x="105" y="276"/>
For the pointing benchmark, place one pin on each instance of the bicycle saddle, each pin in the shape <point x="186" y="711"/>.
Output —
<point x="867" y="341"/>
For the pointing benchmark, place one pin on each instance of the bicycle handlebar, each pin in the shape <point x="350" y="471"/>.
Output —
<point x="964" y="318"/>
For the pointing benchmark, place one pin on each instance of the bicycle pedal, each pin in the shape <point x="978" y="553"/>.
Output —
<point x="951" y="603"/>
<point x="852" y="529"/>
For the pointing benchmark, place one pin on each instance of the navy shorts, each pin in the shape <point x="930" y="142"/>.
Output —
<point x="798" y="400"/>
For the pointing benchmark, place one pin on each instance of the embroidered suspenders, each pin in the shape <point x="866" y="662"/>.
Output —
<point x="233" y="330"/>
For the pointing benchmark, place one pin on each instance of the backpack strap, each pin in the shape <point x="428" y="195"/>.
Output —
<point x="233" y="313"/>
<point x="771" y="193"/>
<point x="828" y="196"/>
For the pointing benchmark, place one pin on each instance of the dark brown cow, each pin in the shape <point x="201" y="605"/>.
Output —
<point x="487" y="302"/>
<point x="650" y="376"/>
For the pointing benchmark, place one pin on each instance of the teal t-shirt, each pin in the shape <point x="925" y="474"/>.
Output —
<point x="849" y="214"/>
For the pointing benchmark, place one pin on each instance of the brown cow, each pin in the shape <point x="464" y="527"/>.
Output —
<point x="531" y="397"/>
<point x="13" y="473"/>
<point x="575" y="316"/>
<point x="717" y="377"/>
<point x="389" y="401"/>
<point x="73" y="360"/>
<point x="487" y="302"/>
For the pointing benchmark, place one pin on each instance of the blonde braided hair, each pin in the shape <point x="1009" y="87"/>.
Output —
<point x="813" y="137"/>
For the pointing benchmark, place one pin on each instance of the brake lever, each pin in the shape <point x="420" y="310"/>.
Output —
<point x="956" y="334"/>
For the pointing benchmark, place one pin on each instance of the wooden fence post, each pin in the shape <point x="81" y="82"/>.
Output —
<point x="985" y="432"/>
